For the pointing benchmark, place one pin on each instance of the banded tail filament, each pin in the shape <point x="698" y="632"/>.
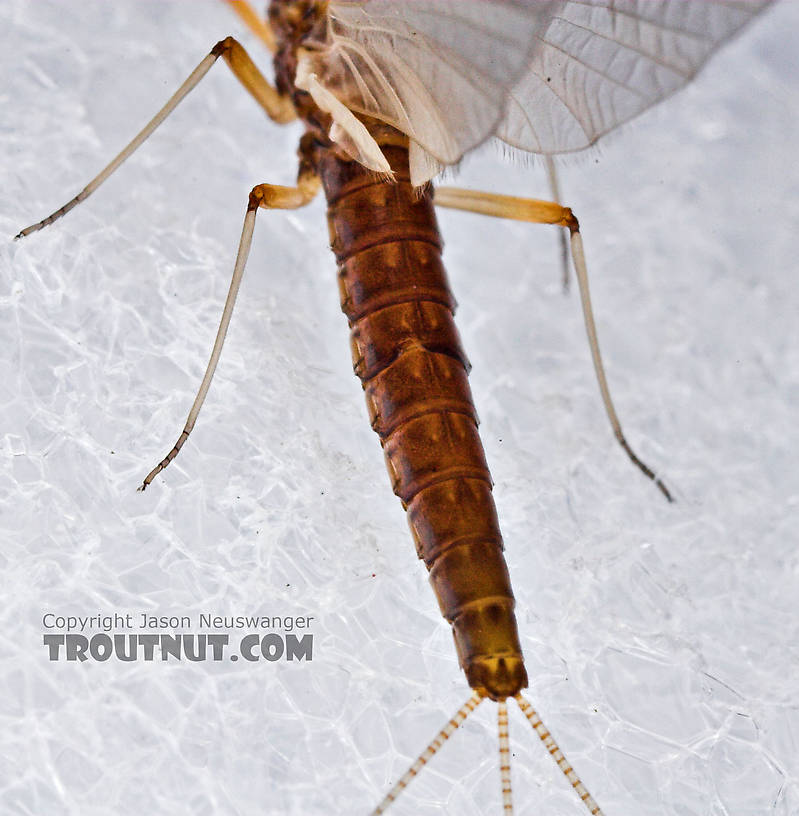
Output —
<point x="397" y="300"/>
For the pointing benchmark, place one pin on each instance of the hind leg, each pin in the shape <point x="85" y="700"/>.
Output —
<point x="547" y="212"/>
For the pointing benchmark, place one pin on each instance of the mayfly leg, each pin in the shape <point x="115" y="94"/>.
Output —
<point x="546" y="212"/>
<point x="554" y="191"/>
<point x="268" y="197"/>
<point x="255" y="22"/>
<point x="278" y="107"/>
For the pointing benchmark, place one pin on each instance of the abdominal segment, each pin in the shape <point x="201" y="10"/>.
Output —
<point x="408" y="356"/>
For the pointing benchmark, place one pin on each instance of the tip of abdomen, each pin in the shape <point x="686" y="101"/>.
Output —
<point x="497" y="677"/>
<point x="487" y="642"/>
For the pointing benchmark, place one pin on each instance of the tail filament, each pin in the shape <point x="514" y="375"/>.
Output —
<point x="435" y="744"/>
<point x="557" y="755"/>
<point x="504" y="758"/>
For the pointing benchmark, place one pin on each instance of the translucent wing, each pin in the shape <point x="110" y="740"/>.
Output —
<point x="440" y="71"/>
<point x="605" y="61"/>
<point x="548" y="77"/>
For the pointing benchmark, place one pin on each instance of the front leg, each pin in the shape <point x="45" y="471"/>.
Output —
<point x="279" y="108"/>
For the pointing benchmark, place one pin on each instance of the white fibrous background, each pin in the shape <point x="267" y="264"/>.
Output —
<point x="660" y="640"/>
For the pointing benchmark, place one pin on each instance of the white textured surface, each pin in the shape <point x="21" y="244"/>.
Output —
<point x="661" y="640"/>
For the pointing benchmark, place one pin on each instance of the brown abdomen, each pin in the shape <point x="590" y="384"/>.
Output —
<point x="408" y="355"/>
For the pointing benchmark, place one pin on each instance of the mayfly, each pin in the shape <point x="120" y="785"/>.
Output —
<point x="391" y="93"/>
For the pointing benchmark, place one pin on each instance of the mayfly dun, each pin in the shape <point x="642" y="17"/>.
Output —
<point x="390" y="94"/>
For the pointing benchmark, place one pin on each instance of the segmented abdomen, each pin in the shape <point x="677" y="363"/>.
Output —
<point x="408" y="355"/>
